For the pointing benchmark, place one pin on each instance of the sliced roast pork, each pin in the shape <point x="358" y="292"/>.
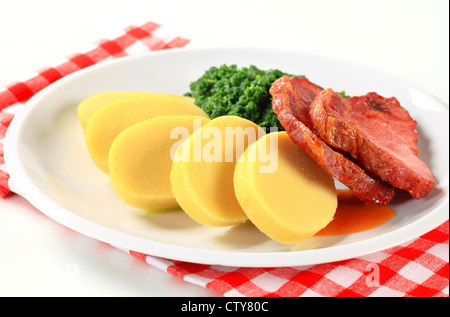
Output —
<point x="301" y="93"/>
<point x="377" y="132"/>
<point x="291" y="98"/>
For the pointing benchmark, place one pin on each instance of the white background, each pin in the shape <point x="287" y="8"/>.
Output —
<point x="408" y="39"/>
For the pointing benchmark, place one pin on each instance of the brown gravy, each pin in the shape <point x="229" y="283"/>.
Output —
<point x="353" y="215"/>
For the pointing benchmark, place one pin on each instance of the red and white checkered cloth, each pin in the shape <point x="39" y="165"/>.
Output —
<point x="418" y="268"/>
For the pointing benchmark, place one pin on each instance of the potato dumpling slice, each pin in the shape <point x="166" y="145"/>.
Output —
<point x="91" y="104"/>
<point x="203" y="168"/>
<point x="291" y="202"/>
<point x="140" y="160"/>
<point x="111" y="119"/>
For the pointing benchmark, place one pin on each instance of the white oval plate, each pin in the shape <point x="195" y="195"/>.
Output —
<point x="50" y="166"/>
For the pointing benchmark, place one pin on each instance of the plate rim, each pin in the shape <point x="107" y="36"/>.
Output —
<point x="33" y="194"/>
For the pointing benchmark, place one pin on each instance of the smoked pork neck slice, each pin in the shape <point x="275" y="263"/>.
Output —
<point x="291" y="98"/>
<point x="377" y="132"/>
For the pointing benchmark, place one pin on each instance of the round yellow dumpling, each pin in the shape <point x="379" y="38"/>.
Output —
<point x="106" y="123"/>
<point x="282" y="190"/>
<point x="140" y="160"/>
<point x="203" y="168"/>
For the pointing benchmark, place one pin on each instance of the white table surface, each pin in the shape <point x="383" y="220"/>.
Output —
<point x="38" y="257"/>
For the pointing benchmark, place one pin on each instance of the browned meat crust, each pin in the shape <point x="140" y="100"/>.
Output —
<point x="286" y="102"/>
<point x="377" y="132"/>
